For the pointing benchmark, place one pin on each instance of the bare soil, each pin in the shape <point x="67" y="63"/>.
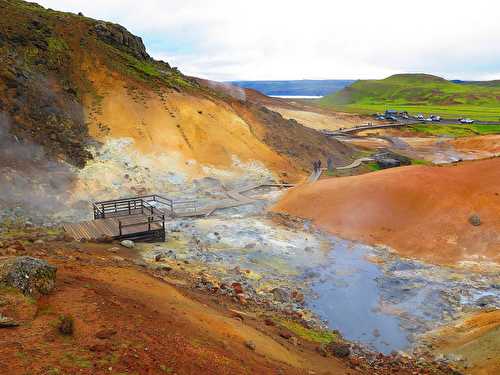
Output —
<point x="420" y="211"/>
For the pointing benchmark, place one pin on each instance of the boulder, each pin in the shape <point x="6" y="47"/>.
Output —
<point x="7" y="322"/>
<point x="385" y="163"/>
<point x="31" y="276"/>
<point x="280" y="295"/>
<point x="475" y="220"/>
<point x="128" y="243"/>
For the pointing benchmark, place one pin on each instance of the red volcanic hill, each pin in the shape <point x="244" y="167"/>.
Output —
<point x="420" y="211"/>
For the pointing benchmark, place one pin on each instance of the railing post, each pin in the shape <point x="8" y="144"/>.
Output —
<point x="149" y="223"/>
<point x="120" y="227"/>
<point x="129" y="207"/>
<point x="102" y="211"/>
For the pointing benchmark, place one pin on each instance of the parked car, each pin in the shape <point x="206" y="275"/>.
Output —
<point x="380" y="118"/>
<point x="420" y="117"/>
<point x="466" y="121"/>
<point x="428" y="119"/>
<point x="391" y="118"/>
<point x="435" y="118"/>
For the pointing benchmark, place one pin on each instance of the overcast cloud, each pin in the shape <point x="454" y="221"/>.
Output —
<point x="315" y="39"/>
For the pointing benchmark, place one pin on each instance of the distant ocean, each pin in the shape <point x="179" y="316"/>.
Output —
<point x="296" y="89"/>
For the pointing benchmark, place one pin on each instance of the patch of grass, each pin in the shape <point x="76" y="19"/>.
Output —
<point x="76" y="360"/>
<point x="420" y="162"/>
<point x="321" y="337"/>
<point x="373" y="166"/>
<point x="456" y="130"/>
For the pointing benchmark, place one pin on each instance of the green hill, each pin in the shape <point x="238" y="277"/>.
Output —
<point x="420" y="93"/>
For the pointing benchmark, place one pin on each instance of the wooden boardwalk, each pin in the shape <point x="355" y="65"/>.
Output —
<point x="143" y="218"/>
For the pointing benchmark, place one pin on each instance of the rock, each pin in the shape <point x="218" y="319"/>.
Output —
<point x="486" y="300"/>
<point x="250" y="345"/>
<point x="7" y="322"/>
<point x="280" y="294"/>
<point x="39" y="242"/>
<point x="31" y="276"/>
<point x="66" y="325"/>
<point x="339" y="350"/>
<point x="105" y="239"/>
<point x="114" y="249"/>
<point x="385" y="163"/>
<point x="121" y="38"/>
<point x="238" y="289"/>
<point x="298" y="296"/>
<point x="159" y="257"/>
<point x="269" y="322"/>
<point x="128" y="244"/>
<point x="475" y="220"/>
<point x="105" y="334"/>
<point x="100" y="347"/>
<point x="285" y="335"/>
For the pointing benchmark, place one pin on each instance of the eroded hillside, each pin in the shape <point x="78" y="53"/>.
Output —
<point x="88" y="92"/>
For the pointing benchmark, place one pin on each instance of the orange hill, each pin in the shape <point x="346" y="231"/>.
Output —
<point x="419" y="211"/>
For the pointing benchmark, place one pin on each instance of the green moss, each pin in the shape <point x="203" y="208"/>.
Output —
<point x="321" y="337"/>
<point x="56" y="45"/>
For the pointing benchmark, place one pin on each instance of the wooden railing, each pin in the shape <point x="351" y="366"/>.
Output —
<point x="145" y="205"/>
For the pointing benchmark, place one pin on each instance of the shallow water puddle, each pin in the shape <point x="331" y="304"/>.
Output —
<point x="346" y="294"/>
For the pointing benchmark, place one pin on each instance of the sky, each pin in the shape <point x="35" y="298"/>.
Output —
<point x="316" y="39"/>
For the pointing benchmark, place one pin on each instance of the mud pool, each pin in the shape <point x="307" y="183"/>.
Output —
<point x="369" y="294"/>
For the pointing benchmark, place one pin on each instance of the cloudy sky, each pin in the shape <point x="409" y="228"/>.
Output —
<point x="314" y="39"/>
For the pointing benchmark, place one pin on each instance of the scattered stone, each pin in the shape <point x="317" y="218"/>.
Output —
<point x="66" y="325"/>
<point x="128" y="244"/>
<point x="31" y="276"/>
<point x="159" y="257"/>
<point x="250" y="345"/>
<point x="39" y="242"/>
<point x="105" y="334"/>
<point x="475" y="220"/>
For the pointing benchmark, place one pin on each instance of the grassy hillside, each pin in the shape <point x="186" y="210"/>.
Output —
<point x="420" y="93"/>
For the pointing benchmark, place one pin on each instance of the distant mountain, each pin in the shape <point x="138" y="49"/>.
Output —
<point x="295" y="88"/>
<point x="420" y="93"/>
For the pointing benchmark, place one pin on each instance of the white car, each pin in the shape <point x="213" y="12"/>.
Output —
<point x="466" y="121"/>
